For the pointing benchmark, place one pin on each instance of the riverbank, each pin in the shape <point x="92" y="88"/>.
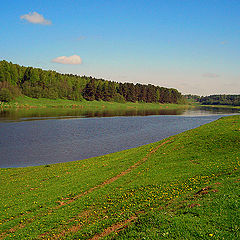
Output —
<point x="222" y="106"/>
<point x="183" y="187"/>
<point x="29" y="103"/>
<point x="197" y="104"/>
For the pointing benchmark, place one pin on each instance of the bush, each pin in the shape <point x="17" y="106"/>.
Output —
<point x="5" y="95"/>
<point x="14" y="89"/>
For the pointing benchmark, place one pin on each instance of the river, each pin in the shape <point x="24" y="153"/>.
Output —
<point x="45" y="139"/>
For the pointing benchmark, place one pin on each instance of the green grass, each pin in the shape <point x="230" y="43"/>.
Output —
<point x="25" y="107"/>
<point x="198" y="104"/>
<point x="27" y="102"/>
<point x="183" y="187"/>
<point x="222" y="106"/>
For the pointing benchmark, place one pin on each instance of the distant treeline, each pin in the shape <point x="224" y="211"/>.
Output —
<point x="192" y="98"/>
<point x="233" y="100"/>
<point x="220" y="99"/>
<point x="38" y="83"/>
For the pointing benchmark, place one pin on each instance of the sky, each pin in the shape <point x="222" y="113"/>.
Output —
<point x="190" y="45"/>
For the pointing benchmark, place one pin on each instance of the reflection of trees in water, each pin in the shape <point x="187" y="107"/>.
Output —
<point x="219" y="110"/>
<point x="132" y="112"/>
<point x="30" y="114"/>
<point x="57" y="113"/>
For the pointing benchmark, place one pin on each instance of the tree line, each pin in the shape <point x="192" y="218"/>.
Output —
<point x="223" y="99"/>
<point x="38" y="83"/>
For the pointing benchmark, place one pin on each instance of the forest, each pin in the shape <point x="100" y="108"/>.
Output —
<point x="37" y="83"/>
<point x="233" y="100"/>
<point x="220" y="99"/>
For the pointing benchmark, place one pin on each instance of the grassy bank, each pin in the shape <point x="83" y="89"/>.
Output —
<point x="183" y="187"/>
<point x="222" y="106"/>
<point x="26" y="103"/>
<point x="197" y="104"/>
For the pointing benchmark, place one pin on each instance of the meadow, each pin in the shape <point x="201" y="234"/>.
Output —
<point x="183" y="187"/>
<point x="24" y="102"/>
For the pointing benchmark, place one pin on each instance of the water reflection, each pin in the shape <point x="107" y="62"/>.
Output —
<point x="38" y="114"/>
<point x="32" y="143"/>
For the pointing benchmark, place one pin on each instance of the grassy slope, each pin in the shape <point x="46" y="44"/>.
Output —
<point x="183" y="187"/>
<point x="26" y="102"/>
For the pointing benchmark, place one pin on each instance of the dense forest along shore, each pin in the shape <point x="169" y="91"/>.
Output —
<point x="18" y="80"/>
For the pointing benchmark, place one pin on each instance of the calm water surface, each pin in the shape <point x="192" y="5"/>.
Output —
<point x="67" y="138"/>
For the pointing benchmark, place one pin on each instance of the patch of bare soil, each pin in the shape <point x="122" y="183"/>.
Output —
<point x="203" y="190"/>
<point x="115" y="228"/>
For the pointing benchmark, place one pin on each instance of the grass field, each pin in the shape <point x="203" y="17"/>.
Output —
<point x="183" y="187"/>
<point x="27" y="102"/>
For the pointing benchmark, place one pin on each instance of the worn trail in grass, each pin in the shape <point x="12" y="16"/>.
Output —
<point x="185" y="187"/>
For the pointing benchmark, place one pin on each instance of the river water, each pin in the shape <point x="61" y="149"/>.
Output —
<point x="45" y="139"/>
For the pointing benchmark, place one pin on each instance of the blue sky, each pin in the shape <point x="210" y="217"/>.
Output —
<point x="191" y="45"/>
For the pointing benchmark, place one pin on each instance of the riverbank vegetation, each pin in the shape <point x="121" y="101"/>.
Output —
<point x="215" y="100"/>
<point x="37" y="83"/>
<point x="23" y="102"/>
<point x="221" y="106"/>
<point x="233" y="100"/>
<point x="183" y="187"/>
<point x="24" y="109"/>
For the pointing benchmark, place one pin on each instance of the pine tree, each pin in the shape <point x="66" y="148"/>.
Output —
<point x="90" y="90"/>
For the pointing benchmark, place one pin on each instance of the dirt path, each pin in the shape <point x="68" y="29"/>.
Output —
<point x="115" y="228"/>
<point x="111" y="180"/>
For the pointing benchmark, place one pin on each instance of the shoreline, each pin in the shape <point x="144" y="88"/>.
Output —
<point x="180" y="181"/>
<point x="222" y="106"/>
<point x="196" y="104"/>
<point x="42" y="103"/>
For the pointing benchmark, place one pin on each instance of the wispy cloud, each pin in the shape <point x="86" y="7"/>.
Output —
<point x="36" y="18"/>
<point x="74" y="59"/>
<point x="81" y="38"/>
<point x="210" y="75"/>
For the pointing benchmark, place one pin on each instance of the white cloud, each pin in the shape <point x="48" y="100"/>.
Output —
<point x="36" y="18"/>
<point x="210" y="75"/>
<point x="74" y="59"/>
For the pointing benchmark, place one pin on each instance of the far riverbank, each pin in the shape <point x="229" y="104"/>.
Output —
<point x="27" y="103"/>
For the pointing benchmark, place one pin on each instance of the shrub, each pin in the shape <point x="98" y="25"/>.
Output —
<point x="5" y="95"/>
<point x="14" y="89"/>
